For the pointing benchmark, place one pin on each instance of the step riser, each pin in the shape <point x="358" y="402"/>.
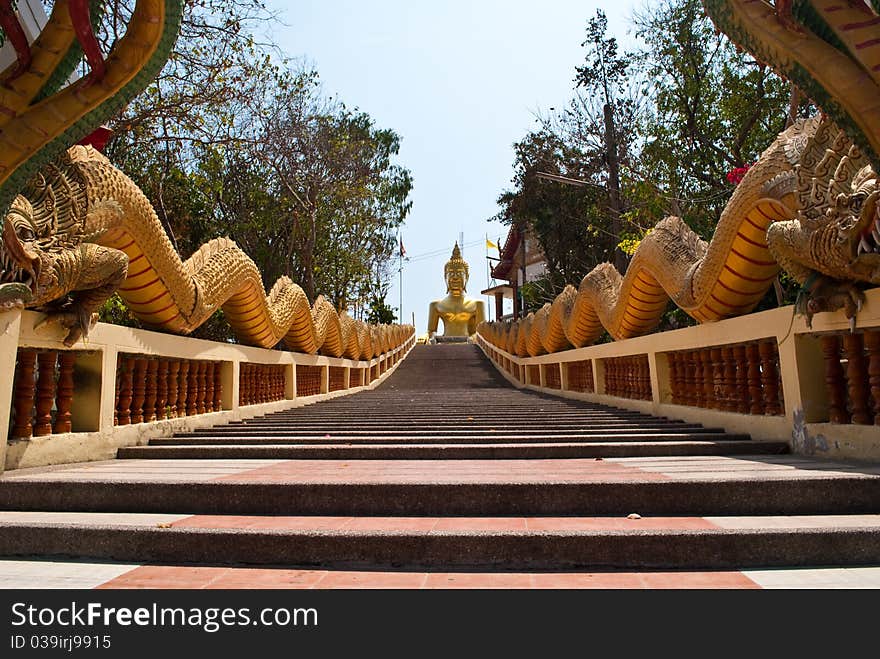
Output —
<point x="357" y="429"/>
<point x="449" y="452"/>
<point x="473" y="439"/>
<point x="547" y="551"/>
<point x="781" y="497"/>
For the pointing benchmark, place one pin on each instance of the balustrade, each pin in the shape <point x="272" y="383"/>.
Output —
<point x="580" y="376"/>
<point x="628" y="377"/>
<point x="308" y="380"/>
<point x="157" y="388"/>
<point x="534" y="374"/>
<point x="258" y="383"/>
<point x="552" y="376"/>
<point x="43" y="392"/>
<point x="337" y="378"/>
<point x="852" y="376"/>
<point x="742" y="377"/>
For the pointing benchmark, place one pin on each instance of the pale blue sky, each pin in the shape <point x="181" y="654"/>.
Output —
<point x="460" y="81"/>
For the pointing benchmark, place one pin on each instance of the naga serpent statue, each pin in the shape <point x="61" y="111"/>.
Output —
<point x="808" y="205"/>
<point x="77" y="229"/>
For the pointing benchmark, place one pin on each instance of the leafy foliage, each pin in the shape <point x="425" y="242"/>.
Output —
<point x="689" y="112"/>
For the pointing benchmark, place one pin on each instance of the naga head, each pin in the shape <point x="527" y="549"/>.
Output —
<point x="29" y="256"/>
<point x="856" y="216"/>
<point x="20" y="262"/>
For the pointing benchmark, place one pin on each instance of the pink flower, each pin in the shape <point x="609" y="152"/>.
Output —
<point x="736" y="174"/>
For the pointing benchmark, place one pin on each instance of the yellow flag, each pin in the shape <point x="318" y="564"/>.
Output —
<point x="489" y="243"/>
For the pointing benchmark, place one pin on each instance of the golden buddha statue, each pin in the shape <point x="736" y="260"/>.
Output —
<point x="460" y="314"/>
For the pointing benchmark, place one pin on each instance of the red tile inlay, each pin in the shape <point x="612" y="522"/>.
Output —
<point x="160" y="576"/>
<point x="444" y="471"/>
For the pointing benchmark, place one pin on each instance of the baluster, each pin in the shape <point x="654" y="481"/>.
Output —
<point x="138" y="390"/>
<point x="209" y="386"/>
<point x="697" y="367"/>
<point x="872" y="345"/>
<point x="674" y="384"/>
<point x="857" y="378"/>
<point x="173" y="387"/>
<point x="161" y="389"/>
<point x="126" y="374"/>
<point x="151" y="390"/>
<point x="116" y="386"/>
<point x="182" y="387"/>
<point x="728" y="380"/>
<point x="645" y="376"/>
<point x="742" y="379"/>
<point x="192" y="388"/>
<point x="46" y="360"/>
<point x="25" y="390"/>
<point x="756" y="391"/>
<point x="218" y="387"/>
<point x="715" y="401"/>
<point x="203" y="387"/>
<point x="708" y="384"/>
<point x="770" y="377"/>
<point x="64" y="400"/>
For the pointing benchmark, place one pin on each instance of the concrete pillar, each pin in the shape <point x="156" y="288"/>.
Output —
<point x="10" y="325"/>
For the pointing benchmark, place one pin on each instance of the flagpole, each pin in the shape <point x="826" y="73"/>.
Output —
<point x="400" y="256"/>
<point x="488" y="303"/>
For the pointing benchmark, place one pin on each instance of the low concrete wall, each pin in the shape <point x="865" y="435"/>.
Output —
<point x="95" y="389"/>
<point x="802" y="369"/>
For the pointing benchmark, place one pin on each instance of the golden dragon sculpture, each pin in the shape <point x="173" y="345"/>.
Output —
<point x="809" y="204"/>
<point x="77" y="229"/>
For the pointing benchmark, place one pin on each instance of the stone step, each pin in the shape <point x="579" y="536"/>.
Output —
<point x="451" y="451"/>
<point x="533" y="543"/>
<point x="444" y="438"/>
<point x="354" y="497"/>
<point x="446" y="426"/>
<point x="349" y="431"/>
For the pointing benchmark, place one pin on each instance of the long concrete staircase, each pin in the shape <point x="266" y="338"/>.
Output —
<point x="445" y="466"/>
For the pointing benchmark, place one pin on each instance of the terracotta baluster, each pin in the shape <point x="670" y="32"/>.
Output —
<point x="770" y="377"/>
<point x="857" y="378"/>
<point x="674" y="384"/>
<point x="183" y="393"/>
<point x="645" y="378"/>
<point x="151" y="390"/>
<point x="717" y="395"/>
<point x="697" y="370"/>
<point x="203" y="387"/>
<point x="218" y="387"/>
<point x="708" y="384"/>
<point x="209" y="386"/>
<point x="741" y="384"/>
<point x="116" y="387"/>
<point x="24" y="393"/>
<point x="756" y="391"/>
<point x="872" y="345"/>
<point x="173" y="387"/>
<point x="161" y="389"/>
<point x="727" y="380"/>
<point x="64" y="398"/>
<point x="125" y="366"/>
<point x="192" y="388"/>
<point x="138" y="389"/>
<point x="46" y="360"/>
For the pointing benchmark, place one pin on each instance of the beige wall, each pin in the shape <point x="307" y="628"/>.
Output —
<point x="801" y="368"/>
<point x="94" y="397"/>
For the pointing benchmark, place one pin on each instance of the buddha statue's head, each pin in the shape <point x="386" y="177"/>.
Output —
<point x="456" y="273"/>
